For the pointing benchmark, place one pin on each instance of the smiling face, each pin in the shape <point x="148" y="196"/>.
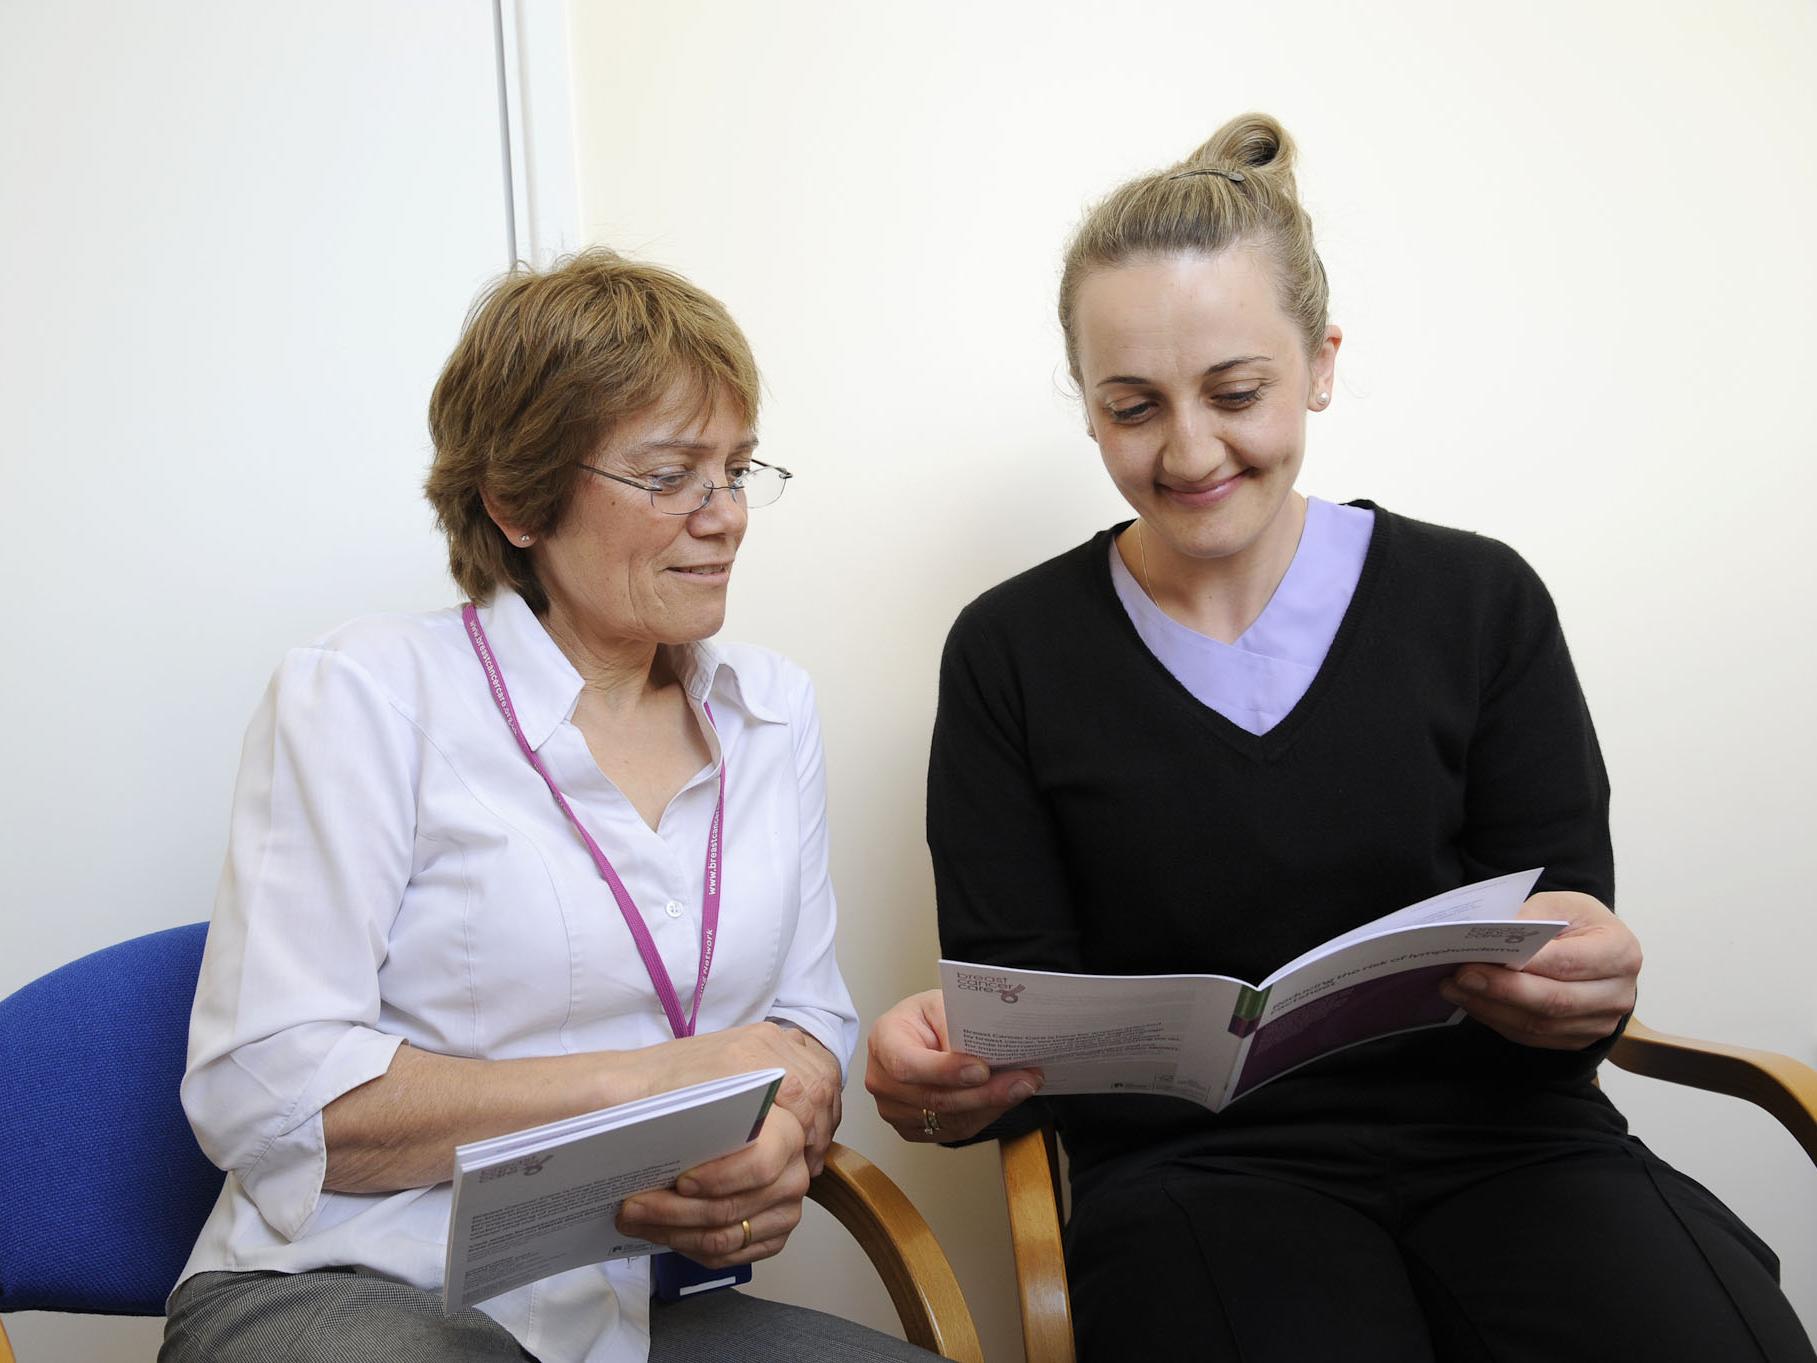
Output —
<point x="1197" y="386"/>
<point x="619" y="572"/>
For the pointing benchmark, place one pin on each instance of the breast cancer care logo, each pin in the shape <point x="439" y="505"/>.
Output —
<point x="526" y="1165"/>
<point x="1512" y="934"/>
<point x="976" y="983"/>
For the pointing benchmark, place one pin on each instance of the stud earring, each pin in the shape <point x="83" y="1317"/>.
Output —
<point x="523" y="539"/>
<point x="1324" y="398"/>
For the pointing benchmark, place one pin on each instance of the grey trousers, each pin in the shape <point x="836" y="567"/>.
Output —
<point x="351" y="1316"/>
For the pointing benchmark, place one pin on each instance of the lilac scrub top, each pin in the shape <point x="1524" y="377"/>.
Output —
<point x="1255" y="681"/>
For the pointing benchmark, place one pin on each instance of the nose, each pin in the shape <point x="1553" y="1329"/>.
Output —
<point x="1195" y="447"/>
<point x="723" y="512"/>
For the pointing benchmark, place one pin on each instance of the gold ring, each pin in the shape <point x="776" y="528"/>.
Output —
<point x="747" y="1234"/>
<point x="930" y="1122"/>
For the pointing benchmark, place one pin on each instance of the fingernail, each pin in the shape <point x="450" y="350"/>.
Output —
<point x="632" y="1211"/>
<point x="1472" y="981"/>
<point x="687" y="1187"/>
<point x="974" y="1074"/>
<point x="1021" y="1090"/>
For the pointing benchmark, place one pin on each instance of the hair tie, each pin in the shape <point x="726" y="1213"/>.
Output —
<point x="1234" y="176"/>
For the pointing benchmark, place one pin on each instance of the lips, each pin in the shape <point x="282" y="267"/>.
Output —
<point x="1206" y="494"/>
<point x="701" y="569"/>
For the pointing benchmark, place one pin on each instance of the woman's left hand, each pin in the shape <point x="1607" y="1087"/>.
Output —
<point x="1573" y="992"/>
<point x="704" y="1215"/>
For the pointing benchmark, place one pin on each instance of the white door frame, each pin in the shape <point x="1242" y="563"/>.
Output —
<point x="536" y="117"/>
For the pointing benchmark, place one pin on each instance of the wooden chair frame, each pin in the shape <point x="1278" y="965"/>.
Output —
<point x="897" y="1241"/>
<point x="901" y="1247"/>
<point x="1784" y="1087"/>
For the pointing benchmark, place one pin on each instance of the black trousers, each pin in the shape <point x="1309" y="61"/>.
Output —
<point x="1365" y="1243"/>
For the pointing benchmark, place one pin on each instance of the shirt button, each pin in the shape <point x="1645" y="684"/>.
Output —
<point x="672" y="908"/>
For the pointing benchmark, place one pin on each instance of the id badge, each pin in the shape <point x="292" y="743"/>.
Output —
<point x="674" y="1276"/>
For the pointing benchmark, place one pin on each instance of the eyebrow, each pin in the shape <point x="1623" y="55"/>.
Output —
<point x="1217" y="368"/>
<point x="693" y="446"/>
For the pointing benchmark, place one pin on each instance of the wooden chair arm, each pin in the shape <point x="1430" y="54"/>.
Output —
<point x="1783" y="1086"/>
<point x="897" y="1241"/>
<point x="6" y="1348"/>
<point x="1031" y="1186"/>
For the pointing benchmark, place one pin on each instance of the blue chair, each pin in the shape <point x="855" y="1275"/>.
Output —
<point x="103" y="1189"/>
<point x="103" y="1185"/>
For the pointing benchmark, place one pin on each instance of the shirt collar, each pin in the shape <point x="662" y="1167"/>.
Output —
<point x="709" y="674"/>
<point x="544" y="685"/>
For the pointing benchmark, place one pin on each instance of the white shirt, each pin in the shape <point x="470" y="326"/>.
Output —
<point x="397" y="871"/>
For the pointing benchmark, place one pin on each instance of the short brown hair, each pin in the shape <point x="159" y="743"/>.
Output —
<point x="1237" y="187"/>
<point x="547" y="363"/>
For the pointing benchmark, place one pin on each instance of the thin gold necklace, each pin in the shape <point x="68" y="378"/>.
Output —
<point x="1142" y="552"/>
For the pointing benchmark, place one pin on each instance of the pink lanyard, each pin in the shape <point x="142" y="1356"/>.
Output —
<point x="646" y="946"/>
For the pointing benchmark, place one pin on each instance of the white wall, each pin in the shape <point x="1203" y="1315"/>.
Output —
<point x="1570" y="246"/>
<point x="238" y="243"/>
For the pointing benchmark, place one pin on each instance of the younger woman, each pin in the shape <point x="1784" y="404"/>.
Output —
<point x="1212" y="737"/>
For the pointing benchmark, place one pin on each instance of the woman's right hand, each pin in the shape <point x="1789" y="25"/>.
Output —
<point x="812" y="1090"/>
<point x="706" y="1214"/>
<point x="928" y="1092"/>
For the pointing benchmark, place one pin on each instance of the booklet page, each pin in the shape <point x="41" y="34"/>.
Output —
<point x="1165" y="1034"/>
<point x="538" y="1202"/>
<point x="1213" y="1039"/>
<point x="1374" y="987"/>
<point x="1499" y="898"/>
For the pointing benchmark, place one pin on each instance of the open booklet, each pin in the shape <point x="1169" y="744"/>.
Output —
<point x="541" y="1201"/>
<point x="1213" y="1039"/>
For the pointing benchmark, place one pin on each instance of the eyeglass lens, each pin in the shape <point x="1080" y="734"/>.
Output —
<point x="758" y="487"/>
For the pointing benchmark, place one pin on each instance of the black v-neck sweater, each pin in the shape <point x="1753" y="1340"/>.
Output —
<point x="1087" y="813"/>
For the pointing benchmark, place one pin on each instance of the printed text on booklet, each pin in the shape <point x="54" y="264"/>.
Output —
<point x="1213" y="1039"/>
<point x="541" y="1201"/>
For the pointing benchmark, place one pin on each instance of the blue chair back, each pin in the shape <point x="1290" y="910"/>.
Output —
<point x="103" y="1189"/>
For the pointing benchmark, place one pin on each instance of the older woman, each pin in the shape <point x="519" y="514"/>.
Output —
<point x="448" y="914"/>
<point x="1214" y="736"/>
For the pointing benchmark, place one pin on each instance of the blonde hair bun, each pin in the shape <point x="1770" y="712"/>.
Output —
<point x="1236" y="187"/>
<point x="1248" y="143"/>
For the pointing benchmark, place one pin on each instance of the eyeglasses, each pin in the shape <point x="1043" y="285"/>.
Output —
<point x="682" y="494"/>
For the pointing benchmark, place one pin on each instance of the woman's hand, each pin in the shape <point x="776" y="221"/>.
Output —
<point x="812" y="1090"/>
<point x="924" y="1090"/>
<point x="705" y="1214"/>
<point x="1572" y="993"/>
